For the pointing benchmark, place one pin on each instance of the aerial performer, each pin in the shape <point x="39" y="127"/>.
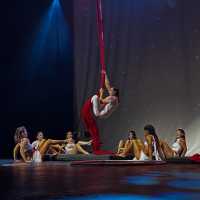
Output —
<point x="98" y="107"/>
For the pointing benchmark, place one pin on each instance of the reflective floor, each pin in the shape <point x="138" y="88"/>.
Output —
<point x="60" y="181"/>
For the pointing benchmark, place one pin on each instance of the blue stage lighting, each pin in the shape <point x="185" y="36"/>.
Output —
<point x="51" y="42"/>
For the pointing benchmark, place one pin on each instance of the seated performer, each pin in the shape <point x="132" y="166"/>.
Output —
<point x="72" y="147"/>
<point x="42" y="145"/>
<point x="133" y="147"/>
<point x="23" y="147"/>
<point x="99" y="107"/>
<point x="125" y="148"/>
<point x="152" y="146"/>
<point x="178" y="148"/>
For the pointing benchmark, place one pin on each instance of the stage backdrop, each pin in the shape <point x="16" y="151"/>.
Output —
<point x="152" y="56"/>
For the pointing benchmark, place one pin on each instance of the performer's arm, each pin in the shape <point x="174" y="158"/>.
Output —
<point x="85" y="143"/>
<point x="107" y="83"/>
<point x="101" y="94"/>
<point x="15" y="151"/>
<point x="106" y="110"/>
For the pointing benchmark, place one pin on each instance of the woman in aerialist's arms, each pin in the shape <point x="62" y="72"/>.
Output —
<point x="104" y="107"/>
<point x="99" y="107"/>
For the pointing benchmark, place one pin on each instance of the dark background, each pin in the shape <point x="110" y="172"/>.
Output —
<point x="152" y="56"/>
<point x="42" y="102"/>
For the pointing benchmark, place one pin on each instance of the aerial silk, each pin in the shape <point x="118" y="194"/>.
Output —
<point x="101" y="41"/>
<point x="87" y="115"/>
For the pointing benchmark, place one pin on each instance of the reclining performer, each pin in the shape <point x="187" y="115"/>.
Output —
<point x="42" y="146"/>
<point x="99" y="107"/>
<point x="152" y="148"/>
<point x="178" y="148"/>
<point x="23" y="148"/>
<point x="72" y="147"/>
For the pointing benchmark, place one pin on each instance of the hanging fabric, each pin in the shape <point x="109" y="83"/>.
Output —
<point x="100" y="32"/>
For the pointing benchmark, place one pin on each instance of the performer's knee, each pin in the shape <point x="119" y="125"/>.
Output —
<point x="49" y="141"/>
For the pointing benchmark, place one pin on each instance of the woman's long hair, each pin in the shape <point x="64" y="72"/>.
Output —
<point x="133" y="133"/>
<point x="116" y="93"/>
<point x="19" y="134"/>
<point x="182" y="133"/>
<point x="182" y="137"/>
<point x="151" y="130"/>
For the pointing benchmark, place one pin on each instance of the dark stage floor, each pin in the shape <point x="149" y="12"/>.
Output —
<point x="59" y="180"/>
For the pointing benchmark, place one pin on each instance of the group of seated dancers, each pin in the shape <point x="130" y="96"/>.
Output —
<point x="97" y="107"/>
<point x="26" y="151"/>
<point x="151" y="148"/>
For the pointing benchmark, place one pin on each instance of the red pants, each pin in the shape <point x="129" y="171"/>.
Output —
<point x="90" y="124"/>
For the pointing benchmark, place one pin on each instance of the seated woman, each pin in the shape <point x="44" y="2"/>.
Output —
<point x="133" y="147"/>
<point x="23" y="147"/>
<point x="152" y="148"/>
<point x="125" y="147"/>
<point x="178" y="148"/>
<point x="72" y="147"/>
<point x="44" y="145"/>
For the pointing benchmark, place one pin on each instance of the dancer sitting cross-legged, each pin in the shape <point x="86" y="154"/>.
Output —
<point x="178" y="148"/>
<point x="99" y="107"/>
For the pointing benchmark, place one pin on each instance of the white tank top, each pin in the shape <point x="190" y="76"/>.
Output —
<point x="69" y="147"/>
<point x="105" y="111"/>
<point x="176" y="147"/>
<point x="35" y="145"/>
<point x="108" y="110"/>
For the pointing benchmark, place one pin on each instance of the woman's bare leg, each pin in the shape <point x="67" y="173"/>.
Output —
<point x="44" y="148"/>
<point x="55" y="149"/>
<point x="128" y="147"/>
<point x="80" y="149"/>
<point x="137" y="149"/>
<point x="168" y="152"/>
<point x="16" y="151"/>
<point x="120" y="146"/>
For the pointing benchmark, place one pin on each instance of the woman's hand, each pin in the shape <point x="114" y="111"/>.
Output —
<point x="101" y="91"/>
<point x="90" y="142"/>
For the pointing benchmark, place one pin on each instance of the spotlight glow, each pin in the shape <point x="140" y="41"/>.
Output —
<point x="51" y="42"/>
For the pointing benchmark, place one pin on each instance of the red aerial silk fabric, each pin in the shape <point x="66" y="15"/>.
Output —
<point x="195" y="158"/>
<point x="87" y="112"/>
<point x="101" y="41"/>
